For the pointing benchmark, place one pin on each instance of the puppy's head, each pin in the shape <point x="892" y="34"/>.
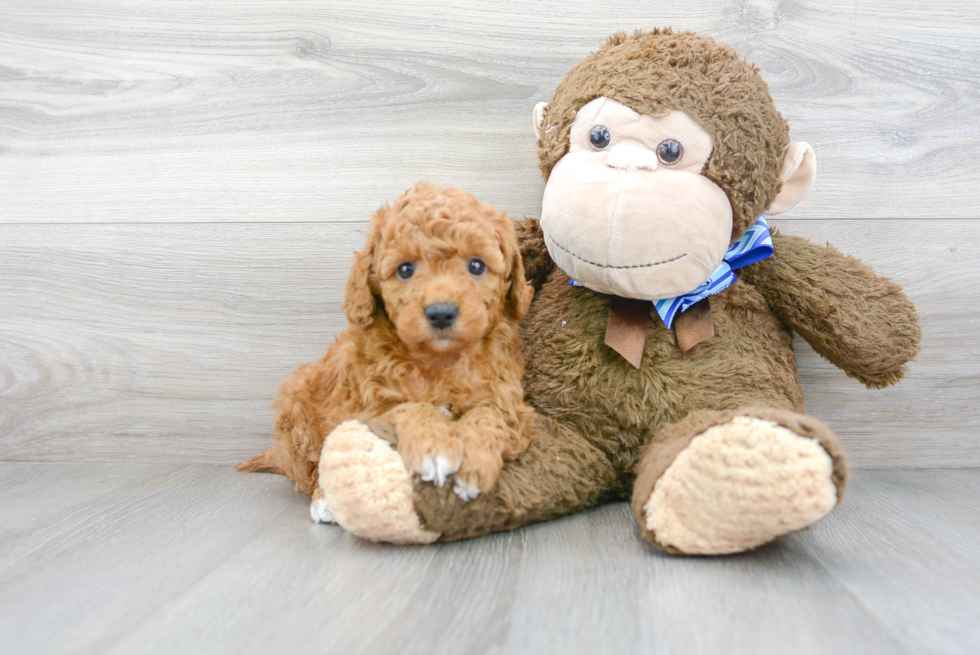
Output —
<point x="441" y="266"/>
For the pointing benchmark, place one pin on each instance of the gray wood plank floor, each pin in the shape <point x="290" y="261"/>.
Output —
<point x="139" y="558"/>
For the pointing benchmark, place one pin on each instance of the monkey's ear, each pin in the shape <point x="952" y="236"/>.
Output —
<point x="360" y="300"/>
<point x="539" y="110"/>
<point x="797" y="175"/>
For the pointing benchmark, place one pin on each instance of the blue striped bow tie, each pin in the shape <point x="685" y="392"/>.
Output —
<point x="753" y="246"/>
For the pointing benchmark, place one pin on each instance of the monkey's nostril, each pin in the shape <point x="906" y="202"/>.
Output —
<point x="441" y="315"/>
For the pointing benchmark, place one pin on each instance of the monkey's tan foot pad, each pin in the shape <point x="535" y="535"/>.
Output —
<point x="369" y="488"/>
<point x="737" y="486"/>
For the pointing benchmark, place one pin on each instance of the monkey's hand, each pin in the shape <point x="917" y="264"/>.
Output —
<point x="862" y="323"/>
<point x="537" y="262"/>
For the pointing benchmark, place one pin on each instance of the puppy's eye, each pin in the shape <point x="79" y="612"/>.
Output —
<point x="476" y="267"/>
<point x="600" y="137"/>
<point x="405" y="271"/>
<point x="670" y="151"/>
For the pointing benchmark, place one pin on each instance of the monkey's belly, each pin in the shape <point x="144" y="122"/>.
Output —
<point x="571" y="375"/>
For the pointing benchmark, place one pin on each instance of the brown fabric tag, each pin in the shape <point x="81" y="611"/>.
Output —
<point x="626" y="331"/>
<point x="694" y="326"/>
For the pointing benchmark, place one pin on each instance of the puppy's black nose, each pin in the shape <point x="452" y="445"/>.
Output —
<point x="441" y="315"/>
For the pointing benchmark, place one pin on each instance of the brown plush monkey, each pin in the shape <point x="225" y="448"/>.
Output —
<point x="657" y="375"/>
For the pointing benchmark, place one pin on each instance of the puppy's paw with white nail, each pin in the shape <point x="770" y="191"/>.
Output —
<point x="479" y="471"/>
<point x="320" y="511"/>
<point x="434" y="453"/>
<point x="437" y="469"/>
<point x="465" y="490"/>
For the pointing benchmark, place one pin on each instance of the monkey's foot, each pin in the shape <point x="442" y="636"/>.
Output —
<point x="738" y="485"/>
<point x="369" y="487"/>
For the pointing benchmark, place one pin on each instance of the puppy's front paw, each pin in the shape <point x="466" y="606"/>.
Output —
<point x="320" y="511"/>
<point x="437" y="468"/>
<point x="320" y="508"/>
<point x="434" y="453"/>
<point x="465" y="490"/>
<point x="478" y="472"/>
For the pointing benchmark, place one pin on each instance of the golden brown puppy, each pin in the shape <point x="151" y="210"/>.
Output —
<point x="433" y="302"/>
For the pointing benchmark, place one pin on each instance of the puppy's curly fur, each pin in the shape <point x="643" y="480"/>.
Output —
<point x="453" y="394"/>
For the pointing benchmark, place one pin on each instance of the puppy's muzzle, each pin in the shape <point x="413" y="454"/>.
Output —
<point x="441" y="315"/>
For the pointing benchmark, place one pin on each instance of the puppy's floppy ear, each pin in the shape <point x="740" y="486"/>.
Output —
<point x="520" y="292"/>
<point x="361" y="294"/>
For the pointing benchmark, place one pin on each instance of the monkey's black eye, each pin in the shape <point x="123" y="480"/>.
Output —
<point x="405" y="271"/>
<point x="670" y="151"/>
<point x="476" y="267"/>
<point x="600" y="137"/>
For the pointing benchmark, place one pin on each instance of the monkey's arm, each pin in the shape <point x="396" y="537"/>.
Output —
<point x="862" y="323"/>
<point x="537" y="262"/>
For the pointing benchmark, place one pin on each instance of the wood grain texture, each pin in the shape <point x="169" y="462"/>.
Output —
<point x="926" y="521"/>
<point x="129" y="550"/>
<point x="202" y="559"/>
<point x="148" y="111"/>
<point x="169" y="341"/>
<point x="134" y="324"/>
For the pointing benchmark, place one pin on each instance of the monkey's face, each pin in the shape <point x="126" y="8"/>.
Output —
<point x="627" y="212"/>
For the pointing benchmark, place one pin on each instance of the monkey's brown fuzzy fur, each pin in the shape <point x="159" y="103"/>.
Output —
<point x="391" y="365"/>
<point x="601" y="422"/>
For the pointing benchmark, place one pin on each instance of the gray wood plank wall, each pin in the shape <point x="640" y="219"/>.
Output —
<point x="182" y="184"/>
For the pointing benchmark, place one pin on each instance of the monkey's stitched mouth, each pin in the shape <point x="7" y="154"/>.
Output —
<point x="582" y="259"/>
